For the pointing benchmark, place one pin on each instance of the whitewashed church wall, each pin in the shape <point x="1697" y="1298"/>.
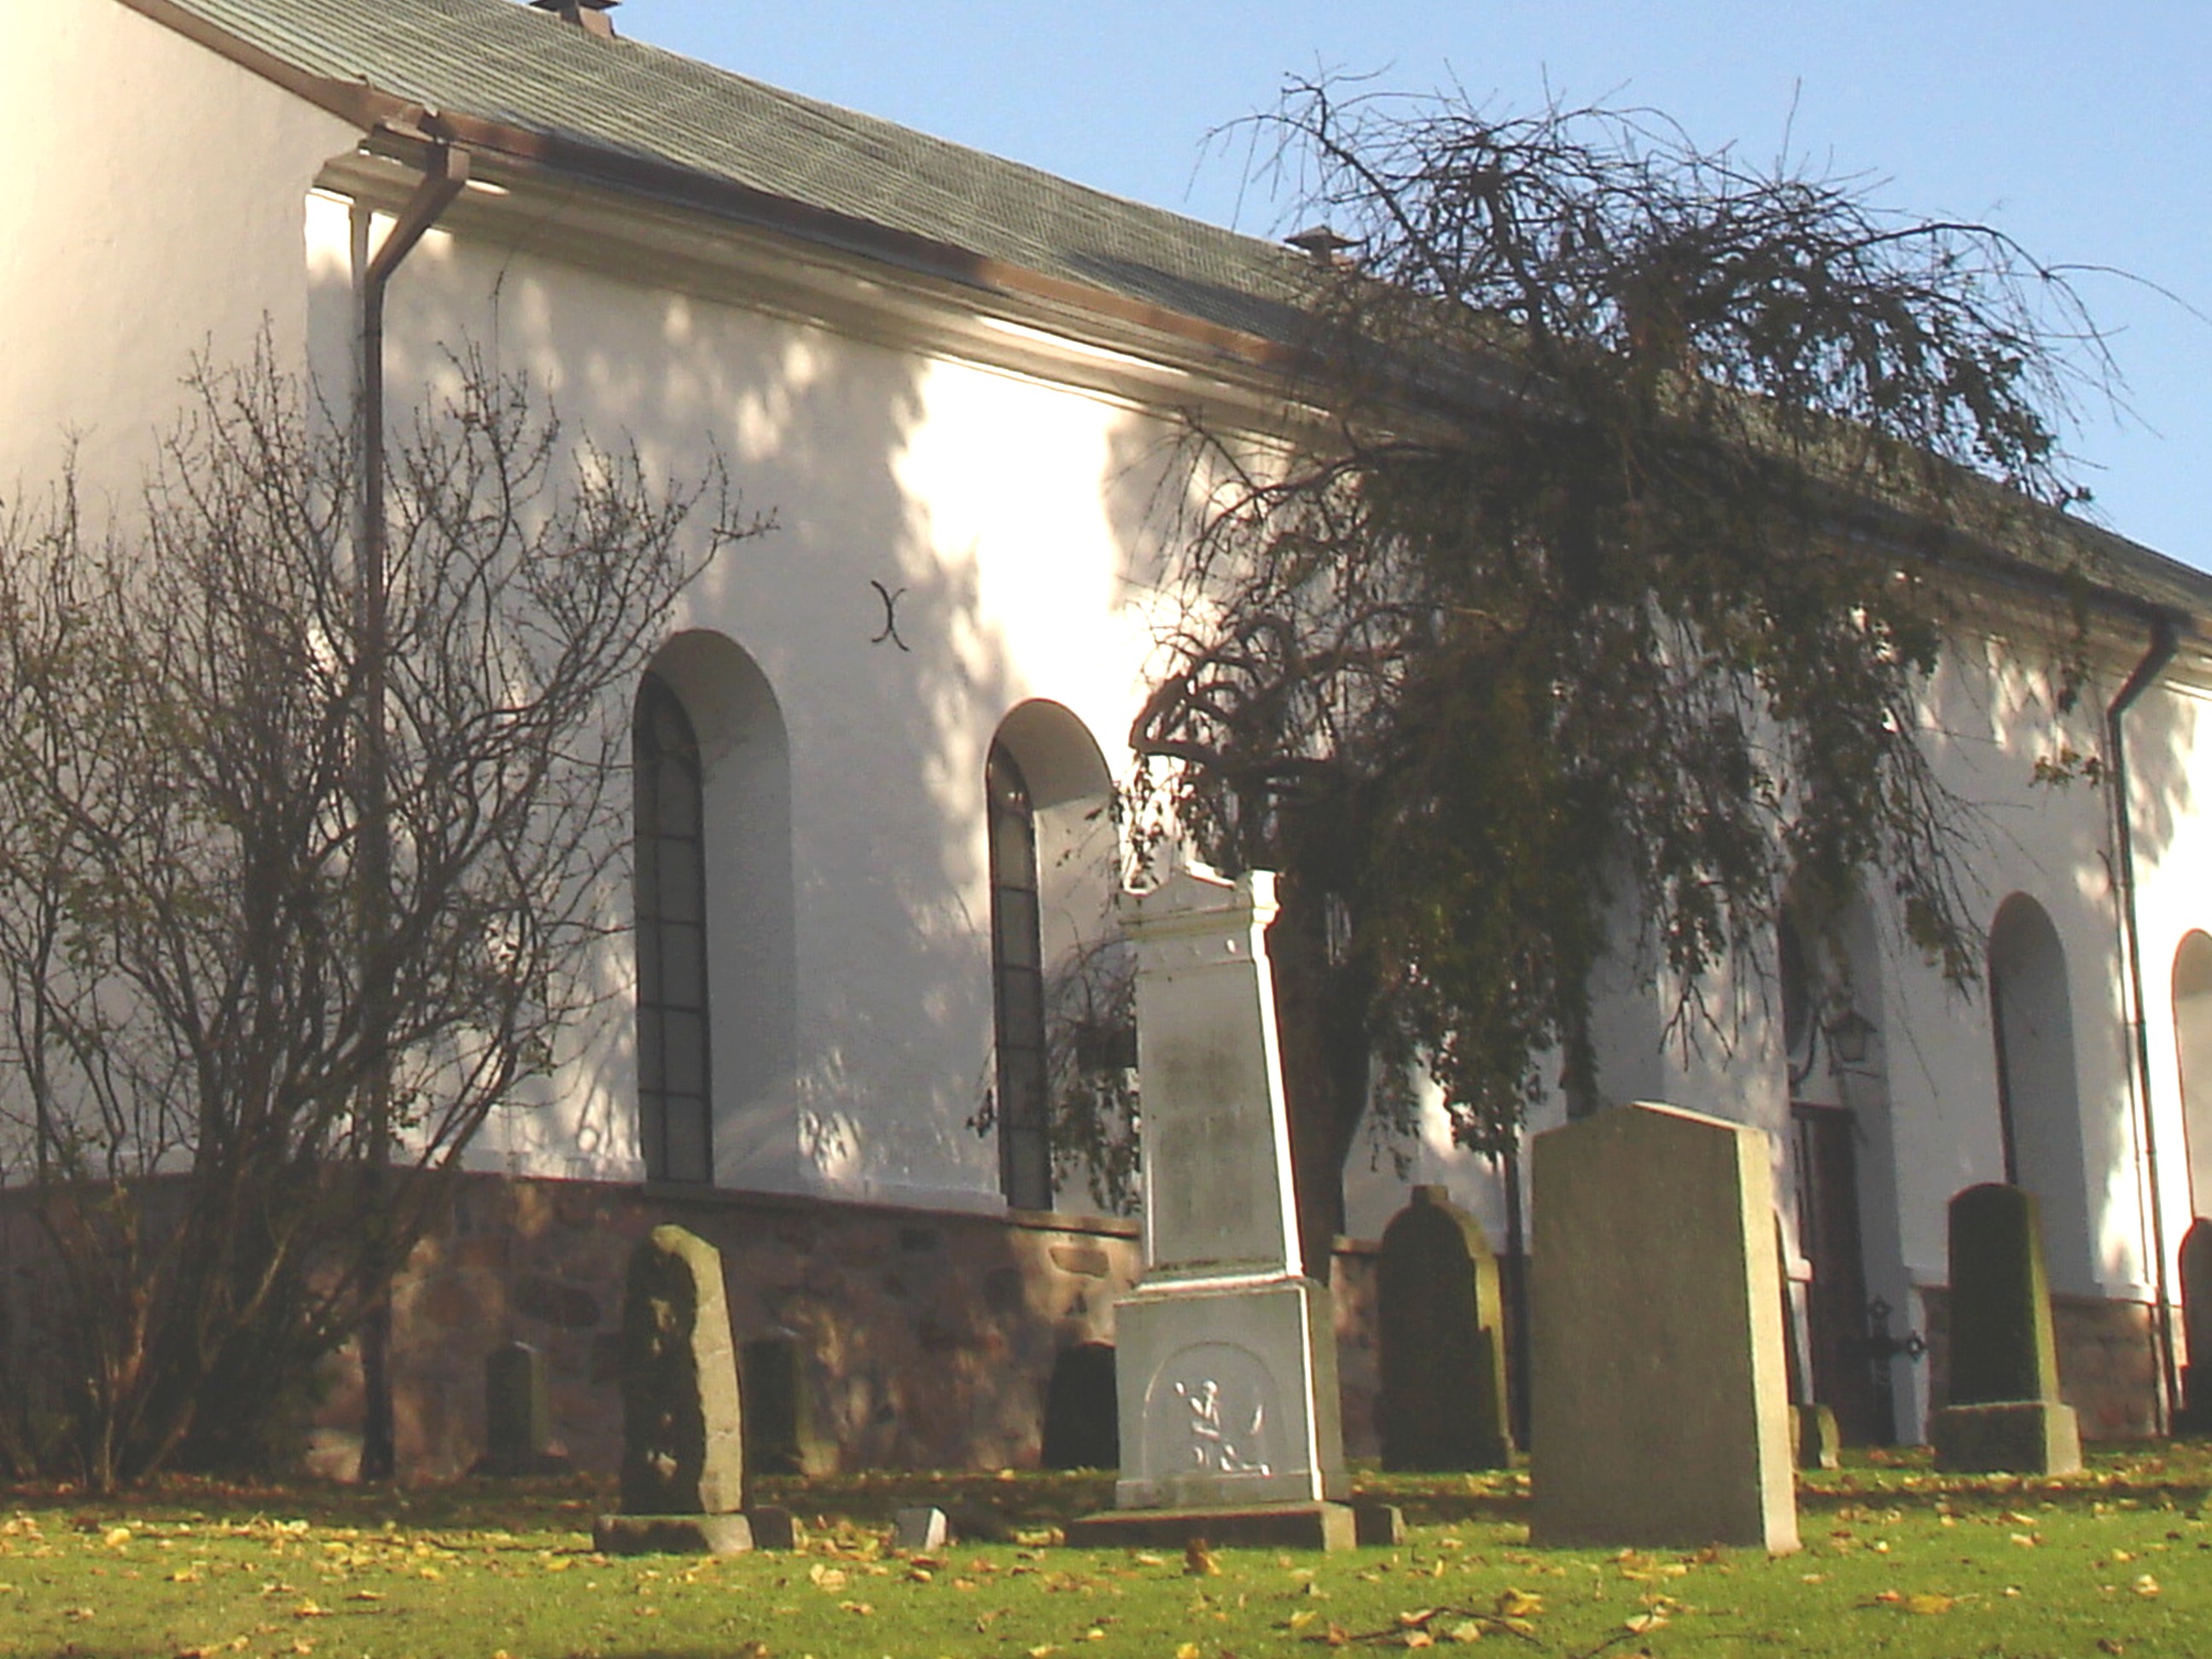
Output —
<point x="2169" y="734"/>
<point x="166" y="187"/>
<point x="1006" y="515"/>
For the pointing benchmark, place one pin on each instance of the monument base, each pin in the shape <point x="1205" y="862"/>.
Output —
<point x="2012" y="1436"/>
<point x="673" y="1534"/>
<point x="1306" y="1526"/>
<point x="1229" y="1397"/>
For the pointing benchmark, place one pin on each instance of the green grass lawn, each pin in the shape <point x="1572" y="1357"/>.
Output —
<point x="1897" y="1560"/>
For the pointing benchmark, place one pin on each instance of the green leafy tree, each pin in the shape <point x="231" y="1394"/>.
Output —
<point x="193" y="1014"/>
<point x="1592" y="599"/>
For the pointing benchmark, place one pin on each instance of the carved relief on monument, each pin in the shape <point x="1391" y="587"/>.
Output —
<point x="1212" y="1409"/>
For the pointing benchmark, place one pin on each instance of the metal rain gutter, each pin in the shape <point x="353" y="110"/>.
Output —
<point x="444" y="178"/>
<point x="2157" y="654"/>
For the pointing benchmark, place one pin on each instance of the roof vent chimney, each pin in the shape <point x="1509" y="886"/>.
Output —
<point x="590" y="16"/>
<point x="1325" y="246"/>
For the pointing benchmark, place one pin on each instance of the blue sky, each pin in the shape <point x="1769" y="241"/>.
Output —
<point x="2084" y="131"/>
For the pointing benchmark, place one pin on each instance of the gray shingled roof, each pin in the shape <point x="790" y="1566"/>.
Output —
<point x="502" y="61"/>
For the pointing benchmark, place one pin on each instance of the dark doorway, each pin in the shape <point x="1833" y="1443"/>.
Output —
<point x="1847" y="1377"/>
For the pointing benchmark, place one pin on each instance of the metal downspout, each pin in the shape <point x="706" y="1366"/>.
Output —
<point x="2156" y="655"/>
<point x="443" y="178"/>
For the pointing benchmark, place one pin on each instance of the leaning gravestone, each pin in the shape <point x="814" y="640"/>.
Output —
<point x="1226" y="1352"/>
<point x="2196" y="1415"/>
<point x="682" y="1468"/>
<point x="1443" y="1357"/>
<point x="1813" y="1425"/>
<point x="2005" y="1414"/>
<point x="1663" y="1410"/>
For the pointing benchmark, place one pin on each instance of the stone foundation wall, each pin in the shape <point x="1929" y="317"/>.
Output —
<point x="2107" y="1361"/>
<point x="928" y="1336"/>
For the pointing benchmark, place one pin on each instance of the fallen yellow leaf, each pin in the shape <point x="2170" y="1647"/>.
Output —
<point x="1930" y="1602"/>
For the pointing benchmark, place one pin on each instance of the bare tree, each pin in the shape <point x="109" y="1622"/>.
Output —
<point x="192" y="1024"/>
<point x="1594" y="597"/>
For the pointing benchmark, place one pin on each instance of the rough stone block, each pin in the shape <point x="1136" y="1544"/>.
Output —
<point x="682" y="1435"/>
<point x="1663" y="1411"/>
<point x="1442" y="1403"/>
<point x="2016" y="1436"/>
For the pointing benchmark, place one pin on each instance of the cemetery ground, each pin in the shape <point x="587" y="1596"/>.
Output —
<point x="1898" y="1559"/>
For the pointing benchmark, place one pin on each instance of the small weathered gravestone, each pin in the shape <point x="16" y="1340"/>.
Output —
<point x="920" y="1529"/>
<point x="682" y="1468"/>
<point x="2004" y="1414"/>
<point x="779" y="1407"/>
<point x="1229" y="1418"/>
<point x="2195" y="1416"/>
<point x="1082" y="1425"/>
<point x="1443" y="1358"/>
<point x="1663" y="1410"/>
<point x="518" y="1414"/>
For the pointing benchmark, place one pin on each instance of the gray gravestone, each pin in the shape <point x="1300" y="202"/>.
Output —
<point x="1662" y="1409"/>
<point x="2005" y="1413"/>
<point x="682" y="1468"/>
<point x="2196" y="1415"/>
<point x="1443" y="1359"/>
<point x="1082" y="1410"/>
<point x="780" y="1433"/>
<point x="518" y="1413"/>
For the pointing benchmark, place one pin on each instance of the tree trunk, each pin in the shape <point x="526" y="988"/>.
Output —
<point x="1320" y="1017"/>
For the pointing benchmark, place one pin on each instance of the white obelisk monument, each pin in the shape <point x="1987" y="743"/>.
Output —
<point x="1226" y="1356"/>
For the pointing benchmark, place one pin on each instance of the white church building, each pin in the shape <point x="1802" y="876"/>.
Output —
<point x="881" y="743"/>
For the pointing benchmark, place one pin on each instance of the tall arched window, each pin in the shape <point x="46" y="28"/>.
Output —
<point x="2038" y="1106"/>
<point x="1018" y="986"/>
<point x="2193" y="1038"/>
<point x="674" y="1115"/>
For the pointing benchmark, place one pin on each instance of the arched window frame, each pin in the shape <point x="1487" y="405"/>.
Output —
<point x="674" y="1045"/>
<point x="1018" y="986"/>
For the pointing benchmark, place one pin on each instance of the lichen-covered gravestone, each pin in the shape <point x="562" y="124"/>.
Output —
<point x="1661" y="1407"/>
<point x="682" y="1468"/>
<point x="2005" y="1414"/>
<point x="1443" y="1357"/>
